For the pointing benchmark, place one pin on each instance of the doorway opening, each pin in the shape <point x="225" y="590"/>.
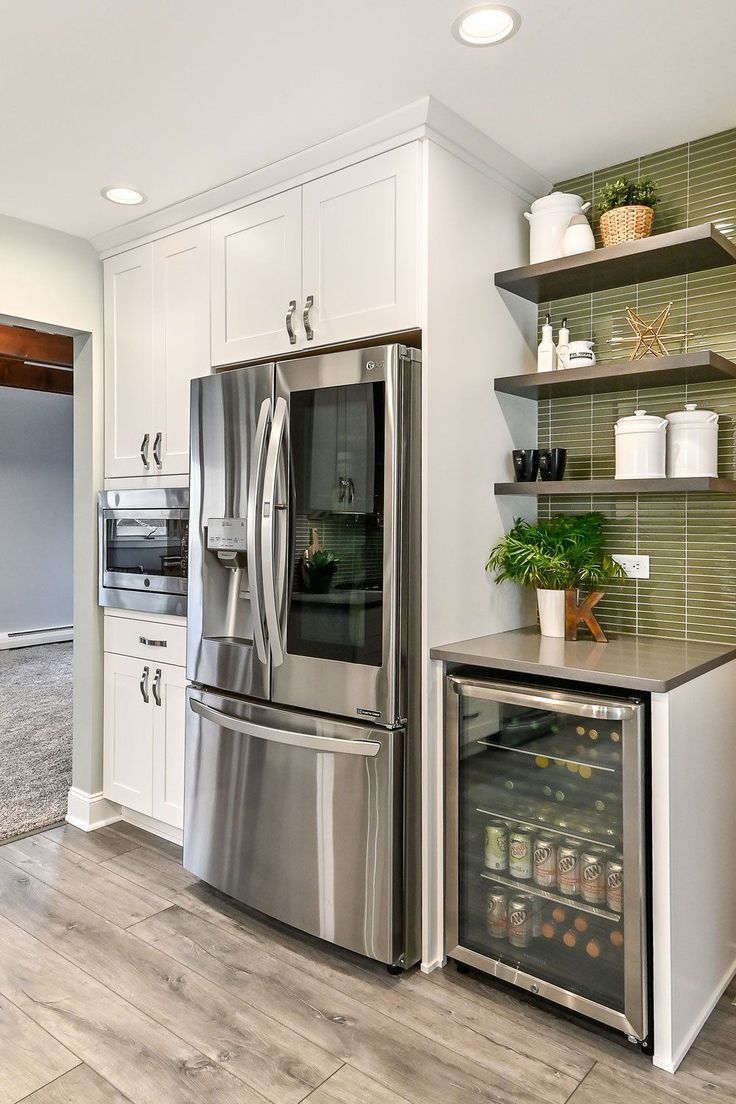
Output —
<point x="36" y="577"/>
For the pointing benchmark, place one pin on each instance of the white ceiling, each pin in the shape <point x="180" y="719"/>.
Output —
<point x="177" y="96"/>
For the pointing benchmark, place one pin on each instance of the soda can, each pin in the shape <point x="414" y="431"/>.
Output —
<point x="545" y="861"/>
<point x="497" y="845"/>
<point x="615" y="884"/>
<point x="568" y="869"/>
<point x="520" y="920"/>
<point x="520" y="854"/>
<point x="497" y="912"/>
<point x="593" y="876"/>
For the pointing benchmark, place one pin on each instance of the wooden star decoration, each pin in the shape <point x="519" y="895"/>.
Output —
<point x="648" y="341"/>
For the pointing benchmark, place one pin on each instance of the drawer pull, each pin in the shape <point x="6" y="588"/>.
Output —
<point x="153" y="643"/>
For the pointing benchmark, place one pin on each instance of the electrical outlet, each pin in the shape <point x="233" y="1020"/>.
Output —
<point x="636" y="567"/>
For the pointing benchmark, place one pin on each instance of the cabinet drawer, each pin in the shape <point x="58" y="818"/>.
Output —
<point x="152" y="640"/>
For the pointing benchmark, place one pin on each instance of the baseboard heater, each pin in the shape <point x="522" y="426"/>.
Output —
<point x="26" y="638"/>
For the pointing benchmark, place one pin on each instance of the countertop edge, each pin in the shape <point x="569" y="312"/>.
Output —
<point x="449" y="654"/>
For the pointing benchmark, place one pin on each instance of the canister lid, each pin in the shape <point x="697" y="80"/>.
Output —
<point x="691" y="415"/>
<point x="640" y="422"/>
<point x="566" y="201"/>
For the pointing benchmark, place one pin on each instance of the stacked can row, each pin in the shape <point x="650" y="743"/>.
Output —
<point x="588" y="872"/>
<point x="519" y="918"/>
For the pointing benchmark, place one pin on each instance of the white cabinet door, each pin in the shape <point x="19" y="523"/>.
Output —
<point x="361" y="248"/>
<point x="181" y="341"/>
<point x="256" y="273"/>
<point x="128" y="733"/>
<point x="169" y="711"/>
<point x="129" y="362"/>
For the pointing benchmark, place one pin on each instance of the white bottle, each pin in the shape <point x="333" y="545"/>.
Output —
<point x="546" y="353"/>
<point x="563" y="345"/>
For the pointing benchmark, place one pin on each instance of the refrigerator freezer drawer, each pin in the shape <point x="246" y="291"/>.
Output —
<point x="299" y="817"/>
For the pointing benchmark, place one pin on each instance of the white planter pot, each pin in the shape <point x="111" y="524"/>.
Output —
<point x="551" y="605"/>
<point x="641" y="444"/>
<point x="693" y="442"/>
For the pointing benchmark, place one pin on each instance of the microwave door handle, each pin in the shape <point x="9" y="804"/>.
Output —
<point x="271" y="597"/>
<point x="367" y="748"/>
<point x="255" y="578"/>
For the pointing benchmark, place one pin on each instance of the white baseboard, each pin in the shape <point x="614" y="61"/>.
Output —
<point x="156" y="827"/>
<point x="89" y="811"/>
<point x="36" y="636"/>
<point x="429" y="967"/>
<point x="698" y="1025"/>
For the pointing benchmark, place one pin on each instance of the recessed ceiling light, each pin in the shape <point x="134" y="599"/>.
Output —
<point x="118" y="194"/>
<point x="486" y="25"/>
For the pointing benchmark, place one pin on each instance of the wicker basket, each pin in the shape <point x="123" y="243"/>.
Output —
<point x="622" y="224"/>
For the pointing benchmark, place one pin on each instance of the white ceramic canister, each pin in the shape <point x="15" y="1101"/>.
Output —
<point x="692" y="447"/>
<point x="641" y="442"/>
<point x="548" y="220"/>
<point x="578" y="238"/>
<point x="580" y="354"/>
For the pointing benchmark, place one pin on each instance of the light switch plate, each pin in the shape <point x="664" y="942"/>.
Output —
<point x="636" y="567"/>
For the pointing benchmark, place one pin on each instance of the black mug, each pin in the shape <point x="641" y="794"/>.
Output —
<point x="526" y="464"/>
<point x="552" y="463"/>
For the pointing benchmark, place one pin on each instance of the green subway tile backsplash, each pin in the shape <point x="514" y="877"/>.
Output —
<point x="690" y="539"/>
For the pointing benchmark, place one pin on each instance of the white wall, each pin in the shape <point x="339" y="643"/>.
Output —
<point x="36" y="510"/>
<point x="53" y="281"/>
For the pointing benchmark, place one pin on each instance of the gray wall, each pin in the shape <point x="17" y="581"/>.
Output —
<point x="36" y="501"/>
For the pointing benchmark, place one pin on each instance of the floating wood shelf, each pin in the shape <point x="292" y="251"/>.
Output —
<point x="701" y="366"/>
<point x="618" y="486"/>
<point x="673" y="254"/>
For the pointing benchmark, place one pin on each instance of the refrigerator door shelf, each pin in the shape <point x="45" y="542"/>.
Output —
<point x="299" y="817"/>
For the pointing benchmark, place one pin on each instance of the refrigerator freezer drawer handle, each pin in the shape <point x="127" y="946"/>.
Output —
<point x="366" y="748"/>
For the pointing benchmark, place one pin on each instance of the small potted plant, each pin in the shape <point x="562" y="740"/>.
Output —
<point x="626" y="209"/>
<point x="562" y="553"/>
<point x="318" y="571"/>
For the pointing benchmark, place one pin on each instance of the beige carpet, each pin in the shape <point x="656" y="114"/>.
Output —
<point x="35" y="737"/>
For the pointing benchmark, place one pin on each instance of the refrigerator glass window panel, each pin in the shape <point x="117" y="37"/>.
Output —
<point x="540" y="874"/>
<point x="337" y="439"/>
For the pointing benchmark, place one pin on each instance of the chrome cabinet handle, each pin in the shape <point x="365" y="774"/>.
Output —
<point x="144" y="450"/>
<point x="367" y="748"/>
<point x="157" y="448"/>
<point x="255" y="486"/>
<point x="156" y="688"/>
<point x="305" y="318"/>
<point x="274" y="576"/>
<point x="144" y="685"/>
<point x="153" y="643"/>
<point x="289" y="327"/>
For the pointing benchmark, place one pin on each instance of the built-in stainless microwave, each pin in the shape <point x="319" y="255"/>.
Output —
<point x="144" y="538"/>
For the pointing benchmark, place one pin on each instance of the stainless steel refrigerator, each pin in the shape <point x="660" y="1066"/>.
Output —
<point x="302" y="740"/>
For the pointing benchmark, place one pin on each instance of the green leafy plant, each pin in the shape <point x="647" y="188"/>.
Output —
<point x="319" y="570"/>
<point x="627" y="193"/>
<point x="564" y="552"/>
<point x="323" y="561"/>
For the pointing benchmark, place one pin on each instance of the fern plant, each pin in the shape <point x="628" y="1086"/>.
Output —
<point x="627" y="193"/>
<point x="562" y="553"/>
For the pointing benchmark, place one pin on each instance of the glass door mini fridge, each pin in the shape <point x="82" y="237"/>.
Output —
<point x="545" y="878"/>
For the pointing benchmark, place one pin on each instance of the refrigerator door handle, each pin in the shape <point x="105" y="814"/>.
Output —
<point x="255" y="573"/>
<point x="272" y="584"/>
<point x="366" y="748"/>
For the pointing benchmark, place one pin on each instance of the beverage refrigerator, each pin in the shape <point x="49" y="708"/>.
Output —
<point x="545" y="871"/>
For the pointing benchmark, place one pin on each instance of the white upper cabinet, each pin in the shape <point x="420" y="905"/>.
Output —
<point x="181" y="341"/>
<point x="361" y="248"/>
<point x="256" y="279"/>
<point x="129" y="362"/>
<point x="157" y="325"/>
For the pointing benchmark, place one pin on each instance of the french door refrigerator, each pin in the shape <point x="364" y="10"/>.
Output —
<point x="302" y="752"/>
<point x="544" y="869"/>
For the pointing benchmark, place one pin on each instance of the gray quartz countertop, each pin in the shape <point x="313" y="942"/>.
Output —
<point x="626" y="662"/>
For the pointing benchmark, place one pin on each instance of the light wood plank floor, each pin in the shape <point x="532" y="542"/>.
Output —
<point x="123" y="980"/>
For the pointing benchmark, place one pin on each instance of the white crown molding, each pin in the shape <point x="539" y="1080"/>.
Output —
<point x="425" y="118"/>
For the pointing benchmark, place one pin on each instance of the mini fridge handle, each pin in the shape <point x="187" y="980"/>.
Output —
<point x="539" y="699"/>
<point x="366" y="748"/>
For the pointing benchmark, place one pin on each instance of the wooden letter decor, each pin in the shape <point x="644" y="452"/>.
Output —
<point x="578" y="614"/>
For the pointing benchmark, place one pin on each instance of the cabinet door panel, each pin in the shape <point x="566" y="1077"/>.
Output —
<point x="128" y="735"/>
<point x="256" y="271"/>
<point x="181" y="297"/>
<point x="168" y="746"/>
<point x="361" y="247"/>
<point x="128" y="361"/>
